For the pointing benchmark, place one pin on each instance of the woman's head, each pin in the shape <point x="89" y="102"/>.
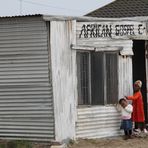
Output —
<point x="123" y="102"/>
<point x="137" y="85"/>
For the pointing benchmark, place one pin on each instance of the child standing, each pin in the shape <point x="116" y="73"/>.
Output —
<point x="126" y="111"/>
<point x="138" y="109"/>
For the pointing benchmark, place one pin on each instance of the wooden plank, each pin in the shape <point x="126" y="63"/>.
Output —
<point x="111" y="30"/>
<point x="64" y="78"/>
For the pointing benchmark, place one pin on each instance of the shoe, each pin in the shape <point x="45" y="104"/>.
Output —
<point x="137" y="130"/>
<point x="145" y="131"/>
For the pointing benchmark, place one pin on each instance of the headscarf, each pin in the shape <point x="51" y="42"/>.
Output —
<point x="138" y="83"/>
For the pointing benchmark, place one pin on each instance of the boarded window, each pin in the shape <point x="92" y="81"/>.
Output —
<point x="97" y="78"/>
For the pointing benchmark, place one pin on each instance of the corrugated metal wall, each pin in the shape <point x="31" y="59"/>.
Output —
<point x="104" y="121"/>
<point x="126" y="76"/>
<point x="26" y="108"/>
<point x="98" y="122"/>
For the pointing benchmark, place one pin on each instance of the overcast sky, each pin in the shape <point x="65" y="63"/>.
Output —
<point x="51" y="7"/>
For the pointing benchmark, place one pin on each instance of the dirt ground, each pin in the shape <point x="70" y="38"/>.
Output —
<point x="116" y="142"/>
<point x="136" y="142"/>
<point x="23" y="144"/>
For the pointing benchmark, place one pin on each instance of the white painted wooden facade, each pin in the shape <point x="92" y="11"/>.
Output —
<point x="91" y="121"/>
<point x="103" y="121"/>
<point x="45" y="106"/>
<point x="64" y="80"/>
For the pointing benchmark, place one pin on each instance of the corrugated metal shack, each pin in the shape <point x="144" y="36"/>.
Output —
<point x="61" y="76"/>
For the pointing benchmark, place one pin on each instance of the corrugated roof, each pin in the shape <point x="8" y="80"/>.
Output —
<point x="78" y="18"/>
<point x="15" y="16"/>
<point x="122" y="8"/>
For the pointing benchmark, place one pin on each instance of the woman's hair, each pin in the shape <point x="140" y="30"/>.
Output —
<point x="122" y="99"/>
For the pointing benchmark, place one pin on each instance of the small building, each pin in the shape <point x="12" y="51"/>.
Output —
<point x="60" y="77"/>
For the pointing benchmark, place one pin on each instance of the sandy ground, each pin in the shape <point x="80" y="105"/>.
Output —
<point x="111" y="143"/>
<point x="116" y="142"/>
<point x="15" y="144"/>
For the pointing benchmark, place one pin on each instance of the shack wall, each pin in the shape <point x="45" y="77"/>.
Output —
<point x="64" y="79"/>
<point x="26" y="105"/>
<point x="104" y="121"/>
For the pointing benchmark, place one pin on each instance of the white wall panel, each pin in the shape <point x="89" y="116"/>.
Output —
<point x="98" y="122"/>
<point x="64" y="80"/>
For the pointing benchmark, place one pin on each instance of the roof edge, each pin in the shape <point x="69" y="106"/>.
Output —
<point x="87" y="18"/>
<point x="78" y="18"/>
<point x="18" y="16"/>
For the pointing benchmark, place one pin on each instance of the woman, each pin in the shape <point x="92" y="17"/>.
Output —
<point x="138" y="109"/>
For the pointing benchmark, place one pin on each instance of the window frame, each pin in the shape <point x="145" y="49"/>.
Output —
<point x="89" y="77"/>
<point x="105" y="76"/>
<point x="117" y="76"/>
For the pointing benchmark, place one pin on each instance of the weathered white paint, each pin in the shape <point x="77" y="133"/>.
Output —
<point x="113" y="30"/>
<point x="98" y="122"/>
<point x="125" y="76"/>
<point x="31" y="108"/>
<point x="92" y="19"/>
<point x="104" y="49"/>
<point x="94" y="121"/>
<point x="89" y="48"/>
<point x="96" y="49"/>
<point x="64" y="81"/>
<point x="104" y="121"/>
<point x="108" y="44"/>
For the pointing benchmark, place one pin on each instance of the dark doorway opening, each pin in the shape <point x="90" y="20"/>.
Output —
<point x="139" y="69"/>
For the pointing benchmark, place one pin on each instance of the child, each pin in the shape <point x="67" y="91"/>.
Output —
<point x="138" y="109"/>
<point x="126" y="111"/>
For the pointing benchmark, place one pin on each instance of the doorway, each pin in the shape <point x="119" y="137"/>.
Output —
<point x="139" y="69"/>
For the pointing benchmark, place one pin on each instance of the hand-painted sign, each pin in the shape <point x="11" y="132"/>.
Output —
<point x="110" y="30"/>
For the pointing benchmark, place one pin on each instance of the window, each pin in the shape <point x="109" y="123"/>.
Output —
<point x="97" y="78"/>
<point x="83" y="60"/>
